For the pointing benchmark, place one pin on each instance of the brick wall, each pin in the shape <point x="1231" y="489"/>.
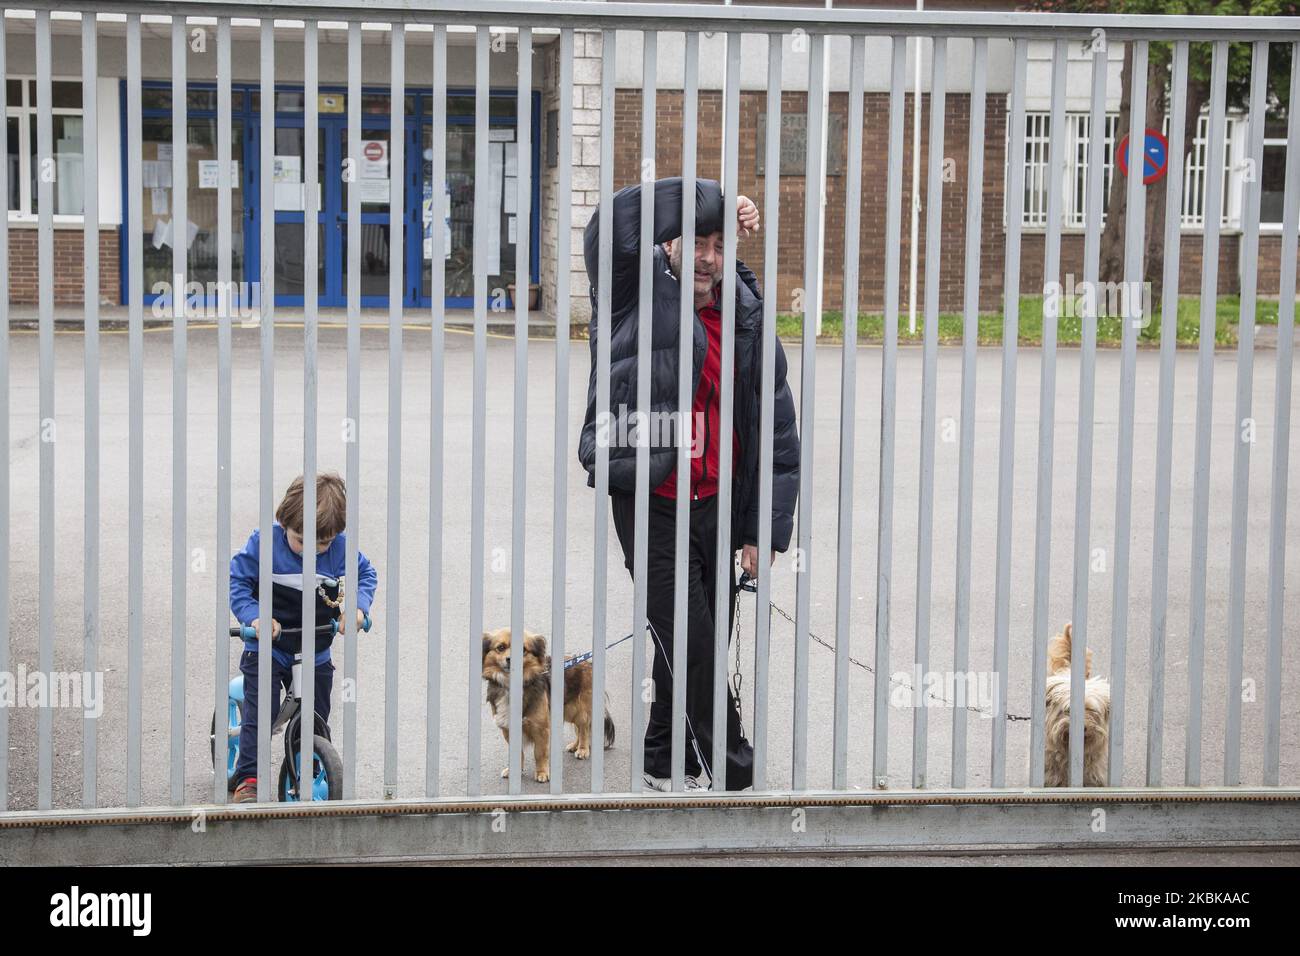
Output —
<point x="69" y="267"/>
<point x="872" y="244"/>
<point x="875" y="159"/>
<point x="1190" y="259"/>
<point x="584" y="171"/>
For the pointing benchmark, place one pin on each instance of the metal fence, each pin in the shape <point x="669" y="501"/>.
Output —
<point x="407" y="640"/>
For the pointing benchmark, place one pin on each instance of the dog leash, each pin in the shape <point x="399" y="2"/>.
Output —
<point x="583" y="658"/>
<point x="748" y="584"/>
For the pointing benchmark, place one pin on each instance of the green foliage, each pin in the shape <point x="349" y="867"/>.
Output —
<point x="1199" y="61"/>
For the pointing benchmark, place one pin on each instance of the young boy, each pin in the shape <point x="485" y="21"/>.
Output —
<point x="286" y="610"/>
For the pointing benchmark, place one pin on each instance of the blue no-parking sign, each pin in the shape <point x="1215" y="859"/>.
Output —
<point x="1155" y="156"/>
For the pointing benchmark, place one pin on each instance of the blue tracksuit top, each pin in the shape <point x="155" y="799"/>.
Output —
<point x="286" y="587"/>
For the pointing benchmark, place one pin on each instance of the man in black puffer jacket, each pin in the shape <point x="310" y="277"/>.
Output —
<point x="670" y="254"/>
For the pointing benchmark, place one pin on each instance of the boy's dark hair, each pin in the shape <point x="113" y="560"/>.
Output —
<point x="331" y="506"/>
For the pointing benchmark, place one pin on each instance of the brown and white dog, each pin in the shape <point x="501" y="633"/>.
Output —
<point x="1096" y="718"/>
<point x="537" y="698"/>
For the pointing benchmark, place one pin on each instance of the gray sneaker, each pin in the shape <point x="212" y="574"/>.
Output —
<point x="665" y="784"/>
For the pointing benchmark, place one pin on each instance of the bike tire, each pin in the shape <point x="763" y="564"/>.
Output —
<point x="327" y="773"/>
<point x="232" y="751"/>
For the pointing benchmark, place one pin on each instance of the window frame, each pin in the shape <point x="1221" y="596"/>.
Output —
<point x="1073" y="213"/>
<point x="24" y="113"/>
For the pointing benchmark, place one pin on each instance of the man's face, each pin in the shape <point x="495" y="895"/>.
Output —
<point x="707" y="266"/>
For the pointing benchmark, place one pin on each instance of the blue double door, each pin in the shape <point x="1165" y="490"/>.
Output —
<point x="373" y="171"/>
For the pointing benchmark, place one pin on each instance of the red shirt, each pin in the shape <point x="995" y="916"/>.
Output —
<point x="706" y="415"/>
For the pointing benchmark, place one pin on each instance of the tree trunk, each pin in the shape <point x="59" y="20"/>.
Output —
<point x="1112" y="236"/>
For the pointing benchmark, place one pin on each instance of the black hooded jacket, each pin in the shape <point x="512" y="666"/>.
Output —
<point x="666" y="317"/>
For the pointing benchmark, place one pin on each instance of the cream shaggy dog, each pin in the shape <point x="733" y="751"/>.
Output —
<point x="1096" y="718"/>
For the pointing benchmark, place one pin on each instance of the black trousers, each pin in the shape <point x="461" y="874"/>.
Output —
<point x="701" y="579"/>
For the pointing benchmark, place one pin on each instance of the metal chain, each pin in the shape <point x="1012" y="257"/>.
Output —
<point x="869" y="669"/>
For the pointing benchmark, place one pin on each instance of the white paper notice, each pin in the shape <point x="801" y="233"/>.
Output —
<point x="374" y="159"/>
<point x="158" y="198"/>
<point x="288" y="197"/>
<point x="501" y="135"/>
<point x="164" y="152"/>
<point x="496" y="182"/>
<point x="155" y="174"/>
<point x="511" y="198"/>
<point x="210" y="174"/>
<point x="513" y="224"/>
<point x="288" y="169"/>
<point x="512" y="160"/>
<point x="374" y="190"/>
<point x="162" y="233"/>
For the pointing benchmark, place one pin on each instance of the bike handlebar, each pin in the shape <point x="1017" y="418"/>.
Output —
<point x="249" y="633"/>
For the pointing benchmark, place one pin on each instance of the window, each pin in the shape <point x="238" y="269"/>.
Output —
<point x="1194" y="173"/>
<point x="1272" y="177"/>
<point x="1038" y="136"/>
<point x="66" y="139"/>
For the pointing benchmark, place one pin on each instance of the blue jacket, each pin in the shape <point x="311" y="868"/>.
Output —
<point x="286" y="589"/>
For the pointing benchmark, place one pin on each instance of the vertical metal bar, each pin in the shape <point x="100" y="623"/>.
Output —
<point x="396" y="257"/>
<point x="221" y="632"/>
<point x="1242" y="419"/>
<point x="135" y="414"/>
<point x="811" y="315"/>
<point x="4" y="437"/>
<point x="90" y="248"/>
<point x="310" y="258"/>
<point x="1087" y="374"/>
<point x="477" y="468"/>
<point x="437" y="405"/>
<point x="45" y="270"/>
<point x="524" y="112"/>
<point x="1281" y="436"/>
<point x="848" y="420"/>
<point x="1204" y="410"/>
<point x="725" y="570"/>
<point x="970" y="337"/>
<point x="608" y="40"/>
<point x="1135" y="222"/>
<point x="645" y="326"/>
<point x="1047" y="414"/>
<point x="888" y="374"/>
<point x="771" y="220"/>
<point x="685" y="341"/>
<point x="929" y="387"/>
<point x="266" y="503"/>
<point x="685" y="359"/>
<point x="1165" y="416"/>
<point x="1007" y="416"/>
<point x="353" y="423"/>
<point x="180" y="415"/>
<point x="560" y="466"/>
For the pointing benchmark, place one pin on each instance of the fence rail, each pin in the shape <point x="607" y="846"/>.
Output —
<point x="419" y="34"/>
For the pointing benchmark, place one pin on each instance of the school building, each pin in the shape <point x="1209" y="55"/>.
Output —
<point x="375" y="170"/>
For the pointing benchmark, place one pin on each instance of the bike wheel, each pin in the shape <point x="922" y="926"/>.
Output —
<point x="234" y="717"/>
<point x="327" y="773"/>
